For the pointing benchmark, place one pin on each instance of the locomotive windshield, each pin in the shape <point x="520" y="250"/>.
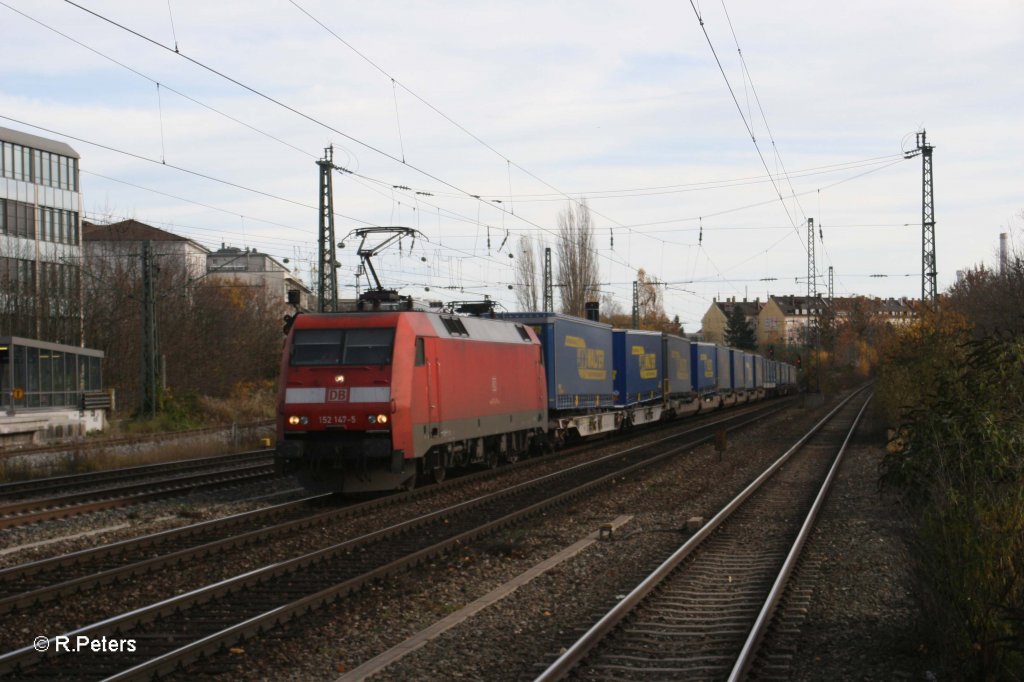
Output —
<point x="342" y="346"/>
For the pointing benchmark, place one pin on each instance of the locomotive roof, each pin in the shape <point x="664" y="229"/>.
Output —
<point x="444" y="325"/>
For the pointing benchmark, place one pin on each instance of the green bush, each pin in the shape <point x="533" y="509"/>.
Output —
<point x="960" y="467"/>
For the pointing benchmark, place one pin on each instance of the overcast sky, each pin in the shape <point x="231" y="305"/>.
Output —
<point x="536" y="103"/>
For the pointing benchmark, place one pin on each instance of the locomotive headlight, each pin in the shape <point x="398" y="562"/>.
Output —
<point x="339" y="378"/>
<point x="382" y="419"/>
<point x="296" y="420"/>
<point x="372" y="419"/>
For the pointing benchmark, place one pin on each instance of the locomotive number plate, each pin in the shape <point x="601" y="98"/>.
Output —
<point x="335" y="419"/>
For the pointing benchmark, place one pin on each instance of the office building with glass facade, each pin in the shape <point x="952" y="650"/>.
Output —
<point x="40" y="238"/>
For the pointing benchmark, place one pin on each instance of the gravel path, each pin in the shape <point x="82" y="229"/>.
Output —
<point x="862" y="618"/>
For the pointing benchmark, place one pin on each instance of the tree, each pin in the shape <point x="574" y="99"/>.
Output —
<point x="649" y="303"/>
<point x="982" y="296"/>
<point x="528" y="284"/>
<point x="738" y="331"/>
<point x="212" y="335"/>
<point x="577" y="258"/>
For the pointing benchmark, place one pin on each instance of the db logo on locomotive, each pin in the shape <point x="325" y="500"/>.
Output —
<point x="337" y="395"/>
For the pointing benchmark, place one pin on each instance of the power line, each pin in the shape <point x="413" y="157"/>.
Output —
<point x="509" y="163"/>
<point x="312" y="119"/>
<point x="753" y="138"/>
<point x="155" y="81"/>
<point x="191" y="201"/>
<point x="170" y="165"/>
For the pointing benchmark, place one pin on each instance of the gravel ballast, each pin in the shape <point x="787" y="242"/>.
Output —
<point x="518" y="636"/>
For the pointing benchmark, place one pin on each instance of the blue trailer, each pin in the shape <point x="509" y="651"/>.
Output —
<point x="725" y="376"/>
<point x="704" y="370"/>
<point x="638" y="361"/>
<point x="638" y="358"/>
<point x="742" y="374"/>
<point x="579" y="371"/>
<point x="771" y="376"/>
<point x="680" y="396"/>
<point x="759" y="367"/>
<point x="577" y="359"/>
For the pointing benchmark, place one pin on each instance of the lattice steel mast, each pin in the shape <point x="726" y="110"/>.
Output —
<point x="929" y="287"/>
<point x="327" y="286"/>
<point x="549" y="285"/>
<point x="812" y="286"/>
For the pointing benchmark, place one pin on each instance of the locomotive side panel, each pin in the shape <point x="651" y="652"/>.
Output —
<point x="478" y="387"/>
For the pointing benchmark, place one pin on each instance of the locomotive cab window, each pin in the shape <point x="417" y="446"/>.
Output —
<point x="342" y="346"/>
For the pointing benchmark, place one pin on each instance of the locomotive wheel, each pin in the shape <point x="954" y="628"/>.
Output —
<point x="437" y="474"/>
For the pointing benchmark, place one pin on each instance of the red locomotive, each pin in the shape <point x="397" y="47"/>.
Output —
<point x="368" y="400"/>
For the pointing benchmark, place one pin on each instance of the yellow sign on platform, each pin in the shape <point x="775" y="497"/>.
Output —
<point x="18" y="393"/>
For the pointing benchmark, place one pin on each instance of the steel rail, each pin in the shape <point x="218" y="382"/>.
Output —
<point x="34" y="485"/>
<point x="466" y="514"/>
<point x="578" y="651"/>
<point x="44" y="509"/>
<point x="76" y="583"/>
<point x="757" y="632"/>
<point x="215" y="641"/>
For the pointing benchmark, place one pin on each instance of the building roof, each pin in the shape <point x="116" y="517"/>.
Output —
<point x="790" y="304"/>
<point x="887" y="306"/>
<point x="231" y="259"/>
<point x="36" y="142"/>
<point x="749" y="308"/>
<point x="130" y="231"/>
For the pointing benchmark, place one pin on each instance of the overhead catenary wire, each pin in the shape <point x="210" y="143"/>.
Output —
<point x="142" y="157"/>
<point x="154" y="81"/>
<point x="509" y="163"/>
<point x="746" y="124"/>
<point x="306" y="116"/>
<point x="510" y="207"/>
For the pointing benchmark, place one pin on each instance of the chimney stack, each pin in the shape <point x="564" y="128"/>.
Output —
<point x="1002" y="253"/>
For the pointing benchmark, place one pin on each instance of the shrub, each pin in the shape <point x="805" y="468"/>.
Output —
<point x="960" y="468"/>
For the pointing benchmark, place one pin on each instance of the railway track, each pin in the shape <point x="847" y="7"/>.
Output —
<point x="704" y="611"/>
<point x="32" y="584"/>
<point x="194" y="475"/>
<point x="177" y="631"/>
<point x="51" y="484"/>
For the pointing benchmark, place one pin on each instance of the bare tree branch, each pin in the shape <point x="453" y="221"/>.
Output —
<point x="577" y="258"/>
